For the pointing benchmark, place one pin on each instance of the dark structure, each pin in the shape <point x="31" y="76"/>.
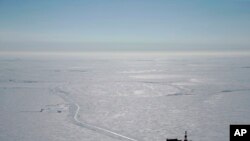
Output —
<point x="185" y="138"/>
<point x="173" y="140"/>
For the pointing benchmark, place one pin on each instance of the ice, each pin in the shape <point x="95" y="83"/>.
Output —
<point x="141" y="97"/>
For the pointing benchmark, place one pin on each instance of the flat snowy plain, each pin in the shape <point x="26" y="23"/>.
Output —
<point x="112" y="97"/>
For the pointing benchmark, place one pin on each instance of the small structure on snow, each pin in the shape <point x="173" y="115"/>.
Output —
<point x="185" y="138"/>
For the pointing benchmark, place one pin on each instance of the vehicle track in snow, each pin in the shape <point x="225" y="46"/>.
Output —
<point x="65" y="95"/>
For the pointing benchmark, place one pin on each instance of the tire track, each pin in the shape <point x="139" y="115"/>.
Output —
<point x="98" y="129"/>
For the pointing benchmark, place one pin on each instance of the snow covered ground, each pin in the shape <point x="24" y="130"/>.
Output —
<point x="122" y="97"/>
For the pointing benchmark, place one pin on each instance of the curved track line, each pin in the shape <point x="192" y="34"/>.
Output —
<point x="99" y="129"/>
<point x="89" y="126"/>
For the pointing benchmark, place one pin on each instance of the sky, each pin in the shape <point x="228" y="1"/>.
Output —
<point x="80" y="25"/>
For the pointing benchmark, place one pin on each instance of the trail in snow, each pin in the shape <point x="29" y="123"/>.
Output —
<point x="90" y="126"/>
<point x="98" y="129"/>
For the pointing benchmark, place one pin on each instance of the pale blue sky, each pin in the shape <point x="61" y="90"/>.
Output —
<point x="124" y="24"/>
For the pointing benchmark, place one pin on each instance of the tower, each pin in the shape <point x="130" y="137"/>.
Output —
<point x="185" y="137"/>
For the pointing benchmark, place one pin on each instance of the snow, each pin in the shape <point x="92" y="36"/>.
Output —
<point x="141" y="97"/>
